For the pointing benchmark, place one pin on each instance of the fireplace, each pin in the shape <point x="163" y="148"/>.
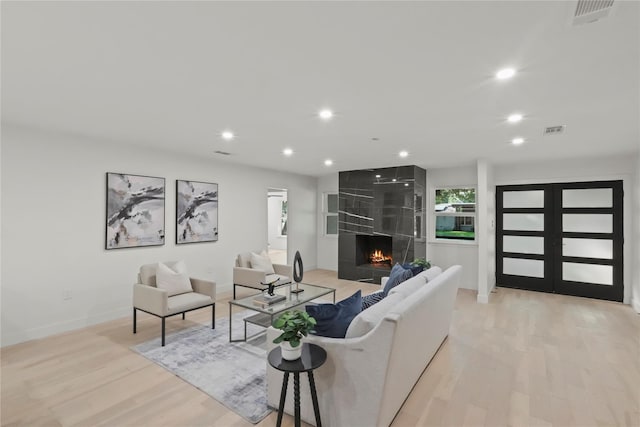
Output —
<point x="374" y="251"/>
<point x="381" y="219"/>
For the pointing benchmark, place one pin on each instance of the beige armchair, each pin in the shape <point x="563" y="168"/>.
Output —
<point x="246" y="276"/>
<point x="149" y="298"/>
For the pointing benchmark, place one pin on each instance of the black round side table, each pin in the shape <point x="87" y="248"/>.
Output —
<point x="313" y="356"/>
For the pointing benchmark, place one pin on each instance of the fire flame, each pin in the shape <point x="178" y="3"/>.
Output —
<point x="377" y="257"/>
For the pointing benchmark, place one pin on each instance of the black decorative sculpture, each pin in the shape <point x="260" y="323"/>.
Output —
<point x="298" y="271"/>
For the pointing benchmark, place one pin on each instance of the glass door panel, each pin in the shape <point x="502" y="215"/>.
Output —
<point x="523" y="244"/>
<point x="523" y="267"/>
<point x="587" y="223"/>
<point x="523" y="221"/>
<point x="587" y="248"/>
<point x="588" y="198"/>
<point x="523" y="199"/>
<point x="587" y="273"/>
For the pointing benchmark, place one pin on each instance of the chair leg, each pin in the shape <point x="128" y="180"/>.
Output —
<point x="163" y="319"/>
<point x="134" y="320"/>
<point x="182" y="316"/>
<point x="213" y="316"/>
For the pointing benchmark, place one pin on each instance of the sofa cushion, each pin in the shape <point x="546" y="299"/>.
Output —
<point x="398" y="275"/>
<point x="409" y="286"/>
<point x="369" y="318"/>
<point x="174" y="279"/>
<point x="431" y="273"/>
<point x="332" y="320"/>
<point x="371" y="299"/>
<point x="261" y="262"/>
<point x="188" y="301"/>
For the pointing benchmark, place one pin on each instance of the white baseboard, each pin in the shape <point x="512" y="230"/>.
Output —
<point x="483" y="299"/>
<point x="17" y="337"/>
<point x="635" y="304"/>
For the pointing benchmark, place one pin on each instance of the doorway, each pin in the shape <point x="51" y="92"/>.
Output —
<point x="564" y="238"/>
<point x="277" y="224"/>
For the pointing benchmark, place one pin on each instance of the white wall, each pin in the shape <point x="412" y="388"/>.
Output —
<point x="587" y="169"/>
<point x="636" y="217"/>
<point x="327" y="245"/>
<point x="274" y="223"/>
<point x="53" y="227"/>
<point x="446" y="254"/>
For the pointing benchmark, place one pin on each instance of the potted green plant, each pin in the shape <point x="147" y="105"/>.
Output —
<point x="294" y="325"/>
<point x="421" y="262"/>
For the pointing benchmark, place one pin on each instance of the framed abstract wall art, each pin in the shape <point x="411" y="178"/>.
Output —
<point x="135" y="211"/>
<point x="196" y="212"/>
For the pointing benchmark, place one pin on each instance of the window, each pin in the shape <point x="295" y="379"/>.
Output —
<point x="330" y="214"/>
<point x="455" y="213"/>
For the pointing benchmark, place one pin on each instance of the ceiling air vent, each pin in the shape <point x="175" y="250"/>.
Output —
<point x="588" y="11"/>
<point x="554" y="130"/>
<point x="222" y="153"/>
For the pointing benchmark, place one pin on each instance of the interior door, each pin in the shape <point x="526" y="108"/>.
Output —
<point x="565" y="238"/>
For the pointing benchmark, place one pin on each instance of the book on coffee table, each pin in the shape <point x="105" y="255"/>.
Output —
<point x="265" y="300"/>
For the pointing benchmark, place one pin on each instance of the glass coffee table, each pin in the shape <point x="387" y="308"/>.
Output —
<point x="266" y="314"/>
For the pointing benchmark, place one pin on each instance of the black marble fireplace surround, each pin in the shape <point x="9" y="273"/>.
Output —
<point x="380" y="210"/>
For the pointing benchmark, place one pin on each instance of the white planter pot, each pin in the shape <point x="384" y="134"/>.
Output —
<point x="290" y="353"/>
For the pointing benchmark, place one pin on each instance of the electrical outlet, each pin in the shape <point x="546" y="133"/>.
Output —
<point x="66" y="294"/>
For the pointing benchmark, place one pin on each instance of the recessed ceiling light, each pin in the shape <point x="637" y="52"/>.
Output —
<point x="227" y="135"/>
<point x="287" y="151"/>
<point x="325" y="114"/>
<point x="393" y="180"/>
<point x="517" y="141"/>
<point x="377" y="176"/>
<point x="328" y="162"/>
<point x="514" y="118"/>
<point x="505" y="73"/>
<point x="403" y="153"/>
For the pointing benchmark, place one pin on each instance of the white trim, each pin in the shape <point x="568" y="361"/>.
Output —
<point x="483" y="299"/>
<point x="66" y="326"/>
<point x="635" y="304"/>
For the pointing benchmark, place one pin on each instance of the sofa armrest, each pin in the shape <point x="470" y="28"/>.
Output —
<point x="150" y="299"/>
<point x="248" y="276"/>
<point x="349" y="384"/>
<point x="283" y="270"/>
<point x="205" y="287"/>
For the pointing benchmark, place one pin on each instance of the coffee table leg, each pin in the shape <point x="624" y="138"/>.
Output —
<point x="314" y="399"/>
<point x="296" y="397"/>
<point x="283" y="395"/>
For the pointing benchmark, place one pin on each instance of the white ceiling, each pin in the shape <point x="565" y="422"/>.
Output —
<point x="416" y="75"/>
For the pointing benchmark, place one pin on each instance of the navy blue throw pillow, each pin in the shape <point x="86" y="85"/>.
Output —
<point x="415" y="269"/>
<point x="369" y="300"/>
<point x="397" y="276"/>
<point x="332" y="320"/>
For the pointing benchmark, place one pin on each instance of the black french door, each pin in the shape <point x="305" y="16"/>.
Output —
<point x="565" y="238"/>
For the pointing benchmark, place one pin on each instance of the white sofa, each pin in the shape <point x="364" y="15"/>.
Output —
<point x="368" y="375"/>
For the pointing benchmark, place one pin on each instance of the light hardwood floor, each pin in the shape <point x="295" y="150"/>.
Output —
<point x="525" y="358"/>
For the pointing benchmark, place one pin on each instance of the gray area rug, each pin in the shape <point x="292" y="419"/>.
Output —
<point x="232" y="373"/>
